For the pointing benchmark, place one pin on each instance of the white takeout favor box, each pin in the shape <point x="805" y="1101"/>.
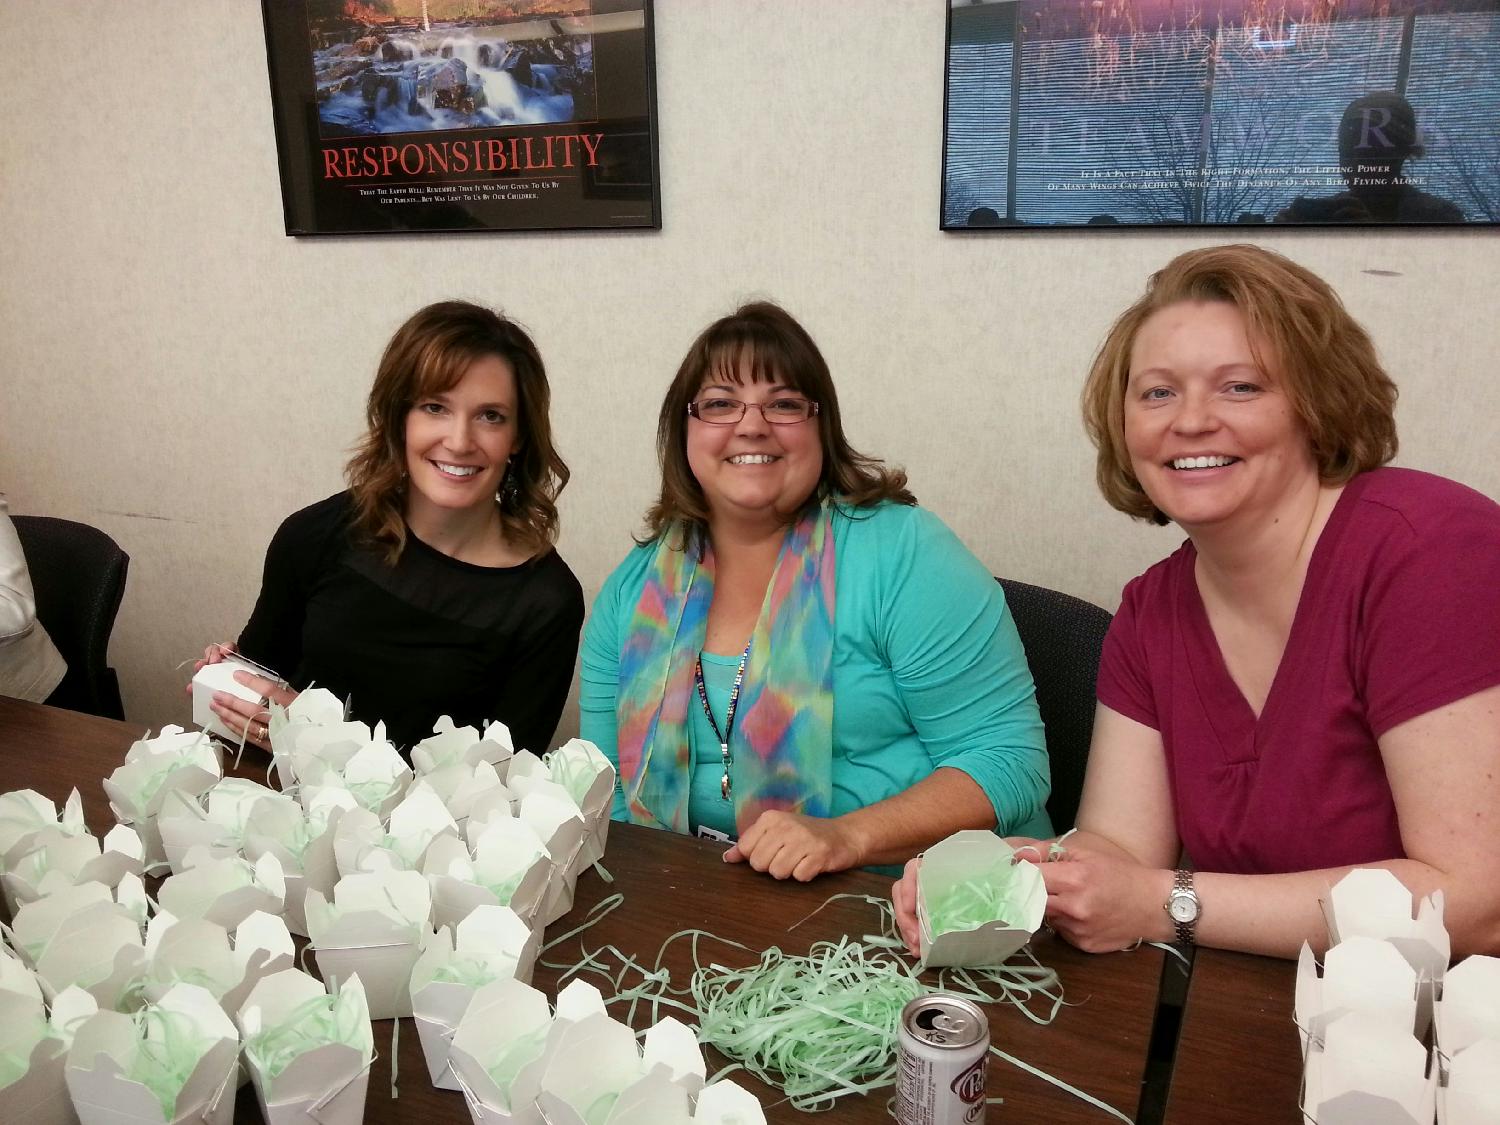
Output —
<point x="962" y="857"/>
<point x="372" y="929"/>
<point x="175" y="759"/>
<point x="302" y="842"/>
<point x="67" y="860"/>
<point x="450" y="745"/>
<point x="597" y="1057"/>
<point x="1471" y="1093"/>
<point x="501" y="1016"/>
<point x="97" y="949"/>
<point x="1359" y="975"/>
<point x="40" y="1095"/>
<point x="224" y="891"/>
<point x="1372" y="902"/>
<point x="106" y="1045"/>
<point x="464" y="788"/>
<point x="29" y="821"/>
<point x="493" y="940"/>
<point x="725" y="1102"/>
<point x="219" y="677"/>
<point x="507" y="853"/>
<point x="183" y="948"/>
<point x="1469" y="1010"/>
<point x="581" y="769"/>
<point x="1367" y="1072"/>
<point x="559" y="823"/>
<point x="324" y="1085"/>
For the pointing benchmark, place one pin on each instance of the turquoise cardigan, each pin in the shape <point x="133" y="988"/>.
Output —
<point x="928" y="671"/>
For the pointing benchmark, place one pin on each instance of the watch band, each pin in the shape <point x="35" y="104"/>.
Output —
<point x="1182" y="887"/>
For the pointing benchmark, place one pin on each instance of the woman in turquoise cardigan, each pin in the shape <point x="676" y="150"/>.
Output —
<point x="798" y="658"/>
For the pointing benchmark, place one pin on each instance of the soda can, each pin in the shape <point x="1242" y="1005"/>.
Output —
<point x="944" y="1049"/>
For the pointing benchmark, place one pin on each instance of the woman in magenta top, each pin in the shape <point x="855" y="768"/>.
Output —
<point x="1312" y="681"/>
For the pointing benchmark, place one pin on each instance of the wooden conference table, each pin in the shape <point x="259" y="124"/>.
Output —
<point x="1238" y="1057"/>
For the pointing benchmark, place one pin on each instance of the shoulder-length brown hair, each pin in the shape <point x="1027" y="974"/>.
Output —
<point x="428" y="355"/>
<point x="761" y="342"/>
<point x="1301" y="335"/>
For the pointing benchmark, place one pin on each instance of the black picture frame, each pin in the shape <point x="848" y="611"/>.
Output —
<point x="395" y="120"/>
<point x="1150" y="113"/>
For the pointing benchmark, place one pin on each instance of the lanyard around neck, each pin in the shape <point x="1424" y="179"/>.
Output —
<point x="734" y="700"/>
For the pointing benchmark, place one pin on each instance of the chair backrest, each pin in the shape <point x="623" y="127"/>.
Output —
<point x="1063" y="636"/>
<point x="78" y="573"/>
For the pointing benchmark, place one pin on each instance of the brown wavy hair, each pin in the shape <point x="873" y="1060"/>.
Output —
<point x="428" y="355"/>
<point x="761" y="342"/>
<point x="1300" y="333"/>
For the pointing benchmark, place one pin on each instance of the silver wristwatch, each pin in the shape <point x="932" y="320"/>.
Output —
<point x="1183" y="907"/>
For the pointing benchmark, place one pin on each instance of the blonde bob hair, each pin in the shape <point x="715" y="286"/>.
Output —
<point x="428" y="355"/>
<point x="1301" y="336"/>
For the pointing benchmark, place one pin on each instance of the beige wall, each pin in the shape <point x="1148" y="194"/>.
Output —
<point x="180" y="373"/>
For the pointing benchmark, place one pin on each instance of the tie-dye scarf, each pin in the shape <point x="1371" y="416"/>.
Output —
<point x="783" y="731"/>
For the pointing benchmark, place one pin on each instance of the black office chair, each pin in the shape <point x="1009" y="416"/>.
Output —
<point x="1062" y="636"/>
<point x="78" y="573"/>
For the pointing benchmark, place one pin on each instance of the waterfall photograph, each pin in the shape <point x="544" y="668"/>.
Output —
<point x="404" y="66"/>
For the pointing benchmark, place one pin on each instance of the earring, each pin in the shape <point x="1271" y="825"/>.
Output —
<point x="509" y="488"/>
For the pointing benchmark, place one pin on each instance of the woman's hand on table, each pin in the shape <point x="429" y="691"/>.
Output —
<point x="789" y="845"/>
<point x="251" y="717"/>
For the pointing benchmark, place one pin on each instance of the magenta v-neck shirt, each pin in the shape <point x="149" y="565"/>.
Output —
<point x="1399" y="615"/>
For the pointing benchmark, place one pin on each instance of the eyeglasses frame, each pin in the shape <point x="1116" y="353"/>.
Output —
<point x="692" y="409"/>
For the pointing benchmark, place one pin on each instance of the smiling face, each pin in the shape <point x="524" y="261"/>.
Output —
<point x="458" y="441"/>
<point x="1211" y="437"/>
<point x="752" y="472"/>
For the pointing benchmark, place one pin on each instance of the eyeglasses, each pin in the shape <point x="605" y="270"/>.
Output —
<point x="728" y="411"/>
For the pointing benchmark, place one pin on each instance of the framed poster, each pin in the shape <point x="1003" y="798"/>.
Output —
<point x="1221" y="112"/>
<point x="464" y="115"/>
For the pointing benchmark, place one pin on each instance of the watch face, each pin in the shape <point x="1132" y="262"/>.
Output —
<point x="1182" y="908"/>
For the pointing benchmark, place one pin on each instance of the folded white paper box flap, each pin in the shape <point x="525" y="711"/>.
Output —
<point x="23" y="1021"/>
<point x="577" y="1000"/>
<point x="98" y="949"/>
<point x="589" y="1061"/>
<point x="262" y="932"/>
<point x="524" y="766"/>
<point x="461" y="786"/>
<point x="16" y="978"/>
<point x="70" y="1008"/>
<point x="446" y="745"/>
<point x="1361" y="974"/>
<point x="725" y="1102"/>
<point x="359" y="832"/>
<point x="581" y="768"/>
<point x="40" y="1095"/>
<point x="416" y="820"/>
<point x="1369" y="1073"/>
<point x="316" y="705"/>
<point x="505" y="1020"/>
<point x="225" y="891"/>
<point x="976" y="858"/>
<point x="653" y="1099"/>
<point x="36" y="922"/>
<point x="673" y="1046"/>
<point x="1470" y="1008"/>
<point x="177" y="947"/>
<point x="558" y="821"/>
<point x="1374" y="903"/>
<point x="1472" y="1096"/>
<point x="23" y="812"/>
<point x="230" y="801"/>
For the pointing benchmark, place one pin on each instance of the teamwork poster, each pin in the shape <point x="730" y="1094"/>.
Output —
<point x="1221" y="112"/>
<point x="463" y="115"/>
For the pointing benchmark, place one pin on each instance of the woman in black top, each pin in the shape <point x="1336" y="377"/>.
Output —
<point x="430" y="587"/>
